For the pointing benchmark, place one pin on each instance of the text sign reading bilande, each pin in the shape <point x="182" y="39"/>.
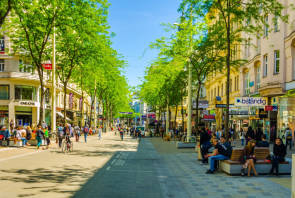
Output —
<point x="27" y="103"/>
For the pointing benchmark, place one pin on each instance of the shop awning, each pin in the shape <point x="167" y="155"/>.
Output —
<point x="62" y="115"/>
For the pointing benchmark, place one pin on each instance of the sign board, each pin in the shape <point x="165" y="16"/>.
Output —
<point x="209" y="117"/>
<point x="238" y="112"/>
<point x="28" y="103"/>
<point x="223" y="105"/>
<point x="126" y="113"/>
<point x="251" y="84"/>
<point x="263" y="114"/>
<point x="271" y="108"/>
<point x="203" y="104"/>
<point x="47" y="66"/>
<point x="218" y="98"/>
<point x="250" y="101"/>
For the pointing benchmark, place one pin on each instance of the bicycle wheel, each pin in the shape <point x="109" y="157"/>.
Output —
<point x="63" y="146"/>
<point x="71" y="147"/>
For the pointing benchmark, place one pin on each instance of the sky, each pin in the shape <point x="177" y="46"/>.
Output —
<point x="136" y="24"/>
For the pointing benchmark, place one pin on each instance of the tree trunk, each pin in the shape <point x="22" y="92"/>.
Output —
<point x="182" y="115"/>
<point x="176" y="108"/>
<point x="41" y="117"/>
<point x="197" y="105"/>
<point x="65" y="103"/>
<point x="91" y="106"/>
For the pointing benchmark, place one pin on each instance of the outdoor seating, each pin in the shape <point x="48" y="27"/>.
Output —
<point x="233" y="166"/>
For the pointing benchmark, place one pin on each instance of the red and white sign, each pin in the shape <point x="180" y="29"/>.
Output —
<point x="47" y="66"/>
<point x="268" y="108"/>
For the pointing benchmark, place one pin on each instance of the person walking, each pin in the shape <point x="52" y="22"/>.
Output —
<point x="77" y="133"/>
<point x="242" y="137"/>
<point x="204" y="144"/>
<point x="39" y="136"/>
<point x="60" y="131"/>
<point x="85" y="131"/>
<point x="279" y="153"/>
<point x="288" y="138"/>
<point x="28" y="134"/>
<point x="121" y="134"/>
<point x="46" y="136"/>
<point x="99" y="132"/>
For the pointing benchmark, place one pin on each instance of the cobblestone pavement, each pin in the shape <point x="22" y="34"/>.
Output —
<point x="112" y="168"/>
<point x="158" y="169"/>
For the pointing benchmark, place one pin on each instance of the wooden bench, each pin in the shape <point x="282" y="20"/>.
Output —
<point x="233" y="166"/>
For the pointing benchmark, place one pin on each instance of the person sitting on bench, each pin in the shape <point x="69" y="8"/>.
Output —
<point x="204" y="144"/>
<point x="263" y="142"/>
<point x="249" y="159"/>
<point x="279" y="153"/>
<point x="222" y="151"/>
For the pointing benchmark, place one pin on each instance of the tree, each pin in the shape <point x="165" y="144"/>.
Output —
<point x="79" y="39"/>
<point x="5" y="7"/>
<point x="33" y="23"/>
<point x="231" y="18"/>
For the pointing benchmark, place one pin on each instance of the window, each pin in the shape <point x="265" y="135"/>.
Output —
<point x="276" y="61"/>
<point x="2" y="45"/>
<point x="218" y="91"/>
<point x="2" y="65"/>
<point x="23" y="92"/>
<point x="246" y="84"/>
<point x="276" y="24"/>
<point x="266" y="26"/>
<point x="4" y="92"/>
<point x="230" y="85"/>
<point x="247" y="47"/>
<point x="265" y="64"/>
<point x="221" y="89"/>
<point x="258" y="77"/>
<point x="237" y="82"/>
<point x="24" y="67"/>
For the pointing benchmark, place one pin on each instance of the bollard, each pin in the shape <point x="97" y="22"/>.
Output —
<point x="293" y="176"/>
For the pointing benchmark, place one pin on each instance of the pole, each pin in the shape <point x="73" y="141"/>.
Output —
<point x="189" y="102"/>
<point x="53" y="101"/>
<point x="293" y="176"/>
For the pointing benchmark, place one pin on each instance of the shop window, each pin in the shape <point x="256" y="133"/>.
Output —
<point x="4" y="92"/>
<point x="276" y="61"/>
<point x="2" y="64"/>
<point x="25" y="92"/>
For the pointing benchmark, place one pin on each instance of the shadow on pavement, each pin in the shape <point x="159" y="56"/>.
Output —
<point x="41" y="176"/>
<point x="128" y="174"/>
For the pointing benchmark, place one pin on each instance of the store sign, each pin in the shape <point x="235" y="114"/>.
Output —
<point x="238" y="112"/>
<point x="250" y="101"/>
<point x="271" y="108"/>
<point x="209" y="117"/>
<point x="27" y="103"/>
<point x="223" y="105"/>
<point x="203" y="104"/>
<point x="47" y="66"/>
<point x="262" y="113"/>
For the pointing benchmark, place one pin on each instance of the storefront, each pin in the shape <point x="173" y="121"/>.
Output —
<point x="23" y="116"/>
<point x="286" y="114"/>
<point x="4" y="116"/>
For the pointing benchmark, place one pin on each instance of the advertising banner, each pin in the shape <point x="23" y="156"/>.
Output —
<point x="251" y="101"/>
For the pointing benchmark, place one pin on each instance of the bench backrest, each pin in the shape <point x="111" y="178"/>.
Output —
<point x="261" y="152"/>
<point x="237" y="154"/>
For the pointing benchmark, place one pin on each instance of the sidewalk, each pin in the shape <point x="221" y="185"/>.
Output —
<point x="190" y="173"/>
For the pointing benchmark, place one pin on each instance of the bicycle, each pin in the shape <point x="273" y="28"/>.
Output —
<point x="67" y="145"/>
